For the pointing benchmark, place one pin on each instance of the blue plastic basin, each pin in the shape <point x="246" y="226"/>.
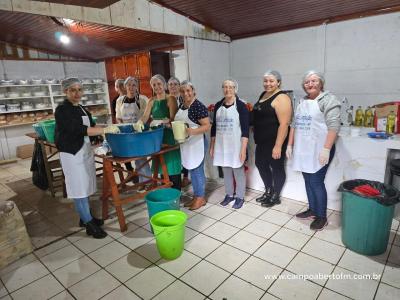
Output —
<point x="135" y="144"/>
<point x="126" y="128"/>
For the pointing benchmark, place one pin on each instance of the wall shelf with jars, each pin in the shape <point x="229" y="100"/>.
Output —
<point x="27" y="101"/>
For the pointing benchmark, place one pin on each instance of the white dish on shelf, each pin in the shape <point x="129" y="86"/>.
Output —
<point x="39" y="93"/>
<point x="37" y="81"/>
<point x="98" y="80"/>
<point x="84" y="98"/>
<point x="3" y="108"/>
<point x="58" y="100"/>
<point x="13" y="107"/>
<point x="41" y="105"/>
<point x="7" y="82"/>
<point x="26" y="94"/>
<point x="98" y="91"/>
<point x="89" y="102"/>
<point x="23" y="81"/>
<point x="51" y="81"/>
<point x="27" y="106"/>
<point x="2" y="95"/>
<point x="13" y="95"/>
<point x="86" y="81"/>
<point x="99" y="101"/>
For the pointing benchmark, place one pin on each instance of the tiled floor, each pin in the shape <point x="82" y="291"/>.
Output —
<point x="252" y="253"/>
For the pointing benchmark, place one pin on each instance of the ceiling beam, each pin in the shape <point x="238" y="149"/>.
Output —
<point x="135" y="14"/>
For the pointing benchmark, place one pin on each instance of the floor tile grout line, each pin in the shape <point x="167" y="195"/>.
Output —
<point x="240" y="229"/>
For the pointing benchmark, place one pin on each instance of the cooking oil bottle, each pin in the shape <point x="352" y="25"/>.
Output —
<point x="359" y="121"/>
<point x="369" y="117"/>
<point x="391" y="122"/>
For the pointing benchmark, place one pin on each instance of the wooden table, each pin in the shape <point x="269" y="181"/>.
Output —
<point x="112" y="191"/>
<point x="54" y="174"/>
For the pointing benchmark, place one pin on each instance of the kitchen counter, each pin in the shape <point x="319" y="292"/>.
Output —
<point x="356" y="157"/>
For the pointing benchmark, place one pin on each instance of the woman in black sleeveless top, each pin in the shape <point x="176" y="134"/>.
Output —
<point x="271" y="118"/>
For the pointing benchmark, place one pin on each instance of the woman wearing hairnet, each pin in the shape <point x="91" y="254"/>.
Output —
<point x="271" y="118"/>
<point x="74" y="125"/>
<point x="229" y="138"/>
<point x="162" y="109"/>
<point x="129" y="109"/>
<point x="312" y="143"/>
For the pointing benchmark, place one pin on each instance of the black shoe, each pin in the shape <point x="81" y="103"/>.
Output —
<point x="96" y="231"/>
<point x="273" y="200"/>
<point x="265" y="196"/>
<point x="98" y="222"/>
<point x="308" y="214"/>
<point x="318" y="224"/>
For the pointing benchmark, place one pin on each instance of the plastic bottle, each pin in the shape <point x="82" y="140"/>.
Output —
<point x="369" y="117"/>
<point x="350" y="115"/>
<point x="359" y="121"/>
<point x="343" y="111"/>
<point x="391" y="123"/>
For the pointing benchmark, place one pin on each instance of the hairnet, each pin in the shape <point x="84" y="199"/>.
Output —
<point x="66" y="83"/>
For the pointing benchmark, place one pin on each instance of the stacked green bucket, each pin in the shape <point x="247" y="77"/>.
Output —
<point x="167" y="221"/>
<point x="48" y="127"/>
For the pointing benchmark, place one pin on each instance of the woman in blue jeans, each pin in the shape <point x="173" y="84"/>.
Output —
<point x="195" y="115"/>
<point x="312" y="143"/>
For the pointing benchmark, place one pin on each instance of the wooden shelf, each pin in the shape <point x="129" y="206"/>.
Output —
<point x="26" y="111"/>
<point x="27" y="97"/>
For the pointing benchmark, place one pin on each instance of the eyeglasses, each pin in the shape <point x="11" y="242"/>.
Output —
<point x="313" y="81"/>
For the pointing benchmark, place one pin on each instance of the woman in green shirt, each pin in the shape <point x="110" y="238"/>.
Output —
<point x="162" y="109"/>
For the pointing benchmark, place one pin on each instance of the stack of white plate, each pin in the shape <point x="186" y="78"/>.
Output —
<point x="13" y="95"/>
<point x="13" y="107"/>
<point x="39" y="93"/>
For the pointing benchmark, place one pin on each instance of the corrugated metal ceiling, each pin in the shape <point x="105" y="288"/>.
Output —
<point x="88" y="40"/>
<point x="240" y="19"/>
<point x="88" y="3"/>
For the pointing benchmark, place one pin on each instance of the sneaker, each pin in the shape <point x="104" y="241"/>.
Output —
<point x="308" y="214"/>
<point x="238" y="203"/>
<point x="318" y="224"/>
<point x="227" y="200"/>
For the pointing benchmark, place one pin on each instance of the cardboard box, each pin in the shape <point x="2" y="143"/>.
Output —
<point x="25" y="151"/>
<point x="381" y="113"/>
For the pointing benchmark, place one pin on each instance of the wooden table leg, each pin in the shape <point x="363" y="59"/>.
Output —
<point x="115" y="194"/>
<point x="105" y="194"/>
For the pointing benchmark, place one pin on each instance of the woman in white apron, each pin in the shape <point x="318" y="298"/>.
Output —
<point x="74" y="125"/>
<point x="312" y="144"/>
<point x="195" y="115"/>
<point x="130" y="109"/>
<point x="229" y="138"/>
<point x="173" y="90"/>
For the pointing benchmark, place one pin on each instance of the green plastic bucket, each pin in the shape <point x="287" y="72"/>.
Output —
<point x="169" y="230"/>
<point x="48" y="127"/>
<point x="365" y="224"/>
<point x="162" y="199"/>
<point x="39" y="131"/>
